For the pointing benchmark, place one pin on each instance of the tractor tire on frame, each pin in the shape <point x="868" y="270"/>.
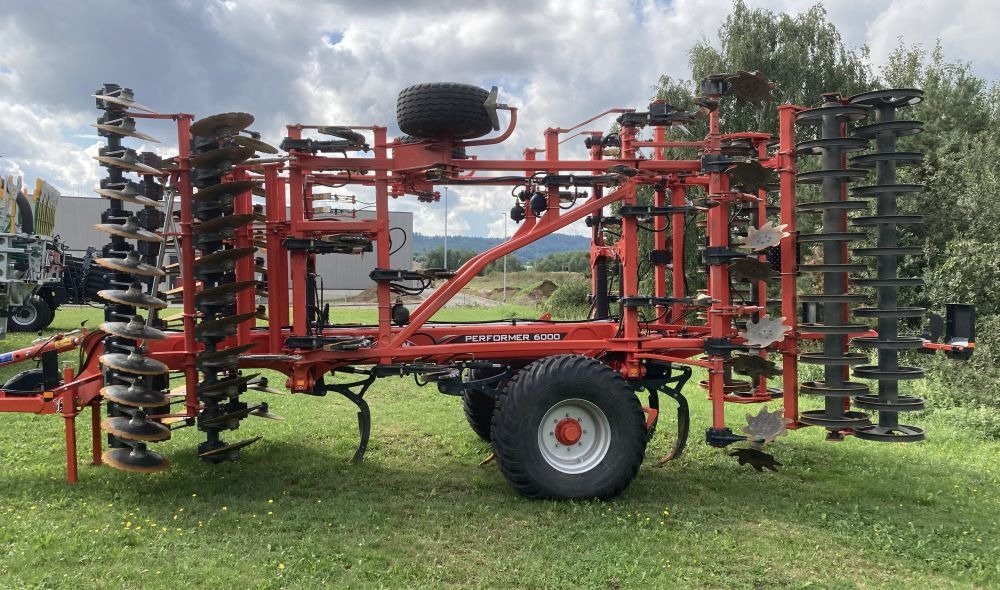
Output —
<point x="443" y="110"/>
<point x="568" y="426"/>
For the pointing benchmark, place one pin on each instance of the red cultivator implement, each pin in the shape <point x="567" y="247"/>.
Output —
<point x="558" y="399"/>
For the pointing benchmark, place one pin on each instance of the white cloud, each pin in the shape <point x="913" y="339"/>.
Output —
<point x="342" y="62"/>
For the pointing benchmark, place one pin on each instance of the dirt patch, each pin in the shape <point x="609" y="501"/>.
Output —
<point x="499" y="292"/>
<point x="370" y="295"/>
<point x="543" y="291"/>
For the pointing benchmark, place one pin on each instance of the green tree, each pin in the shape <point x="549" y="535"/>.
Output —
<point x="803" y="54"/>
<point x="457" y="257"/>
<point x="564" y="261"/>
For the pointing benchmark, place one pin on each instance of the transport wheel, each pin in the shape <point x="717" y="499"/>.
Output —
<point x="568" y="426"/>
<point x="34" y="315"/>
<point x="443" y="109"/>
<point x="479" y="407"/>
<point x="457" y="152"/>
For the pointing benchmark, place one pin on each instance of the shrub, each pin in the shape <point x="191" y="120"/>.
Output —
<point x="569" y="301"/>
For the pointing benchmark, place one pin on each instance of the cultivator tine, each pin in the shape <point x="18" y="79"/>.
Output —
<point x="221" y="125"/>
<point x="224" y="358"/>
<point x="230" y="387"/>
<point x="228" y="449"/>
<point x="222" y="194"/>
<point x="222" y="260"/>
<point x="222" y="293"/>
<point x="219" y="225"/>
<point x="261" y="384"/>
<point x="262" y="411"/>
<point x="221" y="327"/>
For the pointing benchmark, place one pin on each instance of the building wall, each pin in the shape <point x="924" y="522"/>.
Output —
<point x="76" y="217"/>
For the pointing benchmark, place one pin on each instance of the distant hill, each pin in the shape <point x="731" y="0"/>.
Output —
<point x="547" y="245"/>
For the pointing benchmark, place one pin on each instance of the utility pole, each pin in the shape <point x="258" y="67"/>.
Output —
<point x="446" y="228"/>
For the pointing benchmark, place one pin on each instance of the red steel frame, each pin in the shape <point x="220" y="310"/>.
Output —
<point x="397" y="169"/>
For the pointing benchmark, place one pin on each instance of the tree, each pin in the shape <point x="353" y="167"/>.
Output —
<point x="803" y="54"/>
<point x="457" y="257"/>
<point x="564" y="261"/>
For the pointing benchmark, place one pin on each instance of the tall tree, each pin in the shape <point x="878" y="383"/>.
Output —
<point x="803" y="54"/>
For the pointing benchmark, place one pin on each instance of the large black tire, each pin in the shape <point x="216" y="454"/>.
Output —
<point x="479" y="412"/>
<point x="443" y="110"/>
<point x="33" y="316"/>
<point x="560" y="391"/>
<point x="479" y="406"/>
<point x="25" y="216"/>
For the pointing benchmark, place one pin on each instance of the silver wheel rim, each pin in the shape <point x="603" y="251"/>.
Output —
<point x="27" y="315"/>
<point x="588" y="450"/>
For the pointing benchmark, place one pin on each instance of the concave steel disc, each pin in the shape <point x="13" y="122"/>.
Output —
<point x="134" y="395"/>
<point x="221" y="125"/>
<point x="254" y="144"/>
<point x="135" y="428"/>
<point x="131" y="265"/>
<point x="129" y="230"/>
<point x="134" y="363"/>
<point x="217" y="157"/>
<point x="138" y="459"/>
<point x="132" y="296"/>
<point x="134" y="329"/>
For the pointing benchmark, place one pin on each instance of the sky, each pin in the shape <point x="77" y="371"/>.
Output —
<point x="342" y="62"/>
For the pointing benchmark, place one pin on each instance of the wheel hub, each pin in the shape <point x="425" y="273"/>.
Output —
<point x="568" y="431"/>
<point x="574" y="436"/>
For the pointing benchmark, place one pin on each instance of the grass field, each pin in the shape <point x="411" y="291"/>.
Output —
<point x="420" y="512"/>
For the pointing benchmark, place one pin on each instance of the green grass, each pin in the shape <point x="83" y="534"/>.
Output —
<point x="420" y="512"/>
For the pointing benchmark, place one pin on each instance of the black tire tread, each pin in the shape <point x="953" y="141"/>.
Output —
<point x="479" y="409"/>
<point x="510" y="412"/>
<point x="43" y="318"/>
<point x="443" y="109"/>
